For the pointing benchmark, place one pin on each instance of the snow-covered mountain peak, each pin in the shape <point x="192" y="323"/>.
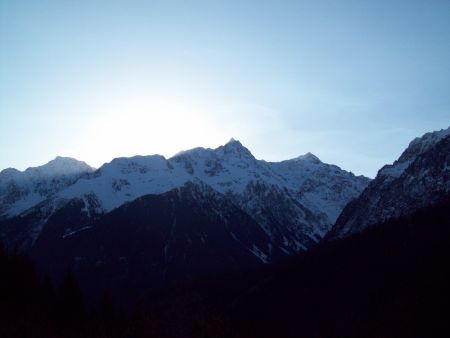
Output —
<point x="136" y="164"/>
<point x="212" y="162"/>
<point x="417" y="147"/>
<point x="421" y="144"/>
<point x="8" y="173"/>
<point x="20" y="190"/>
<point x="419" y="178"/>
<point x="233" y="143"/>
<point x="231" y="148"/>
<point x="58" y="167"/>
<point x="234" y="148"/>
<point x="308" y="157"/>
<point x="61" y="166"/>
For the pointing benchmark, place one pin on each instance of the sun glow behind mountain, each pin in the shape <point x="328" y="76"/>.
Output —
<point x="351" y="83"/>
<point x="130" y="116"/>
<point x="145" y="128"/>
<point x="127" y="128"/>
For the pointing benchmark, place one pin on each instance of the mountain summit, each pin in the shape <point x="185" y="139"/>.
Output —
<point x="21" y="190"/>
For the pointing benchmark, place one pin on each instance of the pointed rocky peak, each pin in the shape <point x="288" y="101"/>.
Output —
<point x="232" y="142"/>
<point x="234" y="148"/>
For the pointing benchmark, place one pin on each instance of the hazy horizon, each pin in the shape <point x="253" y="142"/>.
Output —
<point x="351" y="82"/>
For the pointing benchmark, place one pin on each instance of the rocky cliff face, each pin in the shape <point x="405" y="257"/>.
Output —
<point x="419" y="178"/>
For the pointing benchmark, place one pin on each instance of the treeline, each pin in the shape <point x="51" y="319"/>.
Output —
<point x="389" y="281"/>
<point x="31" y="307"/>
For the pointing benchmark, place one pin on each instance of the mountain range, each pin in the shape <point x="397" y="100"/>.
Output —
<point x="294" y="202"/>
<point x="147" y="221"/>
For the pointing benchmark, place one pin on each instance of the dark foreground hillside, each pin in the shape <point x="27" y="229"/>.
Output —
<point x="390" y="281"/>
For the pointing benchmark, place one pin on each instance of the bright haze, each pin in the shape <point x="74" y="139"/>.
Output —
<point x="350" y="81"/>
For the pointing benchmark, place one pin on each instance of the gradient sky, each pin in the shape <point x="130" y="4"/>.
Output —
<point x="350" y="81"/>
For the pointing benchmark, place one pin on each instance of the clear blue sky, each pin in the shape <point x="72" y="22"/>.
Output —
<point x="350" y="81"/>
